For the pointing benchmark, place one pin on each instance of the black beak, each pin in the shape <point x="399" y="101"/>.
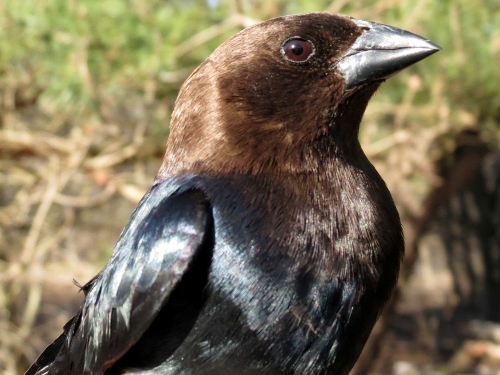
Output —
<point x="380" y="52"/>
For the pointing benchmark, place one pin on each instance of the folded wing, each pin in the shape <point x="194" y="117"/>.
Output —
<point x="169" y="228"/>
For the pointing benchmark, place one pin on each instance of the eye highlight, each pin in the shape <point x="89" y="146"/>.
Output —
<point x="297" y="49"/>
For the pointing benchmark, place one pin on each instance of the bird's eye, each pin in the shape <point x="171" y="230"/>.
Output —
<point x="297" y="49"/>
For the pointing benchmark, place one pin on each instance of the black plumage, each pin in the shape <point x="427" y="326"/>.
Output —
<point x="268" y="243"/>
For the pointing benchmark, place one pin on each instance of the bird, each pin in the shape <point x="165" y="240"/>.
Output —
<point x="267" y="244"/>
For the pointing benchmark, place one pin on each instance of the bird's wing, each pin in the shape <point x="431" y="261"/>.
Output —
<point x="169" y="228"/>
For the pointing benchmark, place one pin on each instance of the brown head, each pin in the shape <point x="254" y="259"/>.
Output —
<point x="283" y="95"/>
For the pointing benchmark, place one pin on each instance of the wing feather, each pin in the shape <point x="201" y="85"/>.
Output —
<point x="156" y="248"/>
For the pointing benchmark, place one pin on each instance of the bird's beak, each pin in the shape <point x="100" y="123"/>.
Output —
<point x="380" y="52"/>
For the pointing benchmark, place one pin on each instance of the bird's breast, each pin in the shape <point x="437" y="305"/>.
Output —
<point x="285" y="271"/>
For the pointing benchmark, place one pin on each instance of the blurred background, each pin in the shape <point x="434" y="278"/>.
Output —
<point x="86" y="92"/>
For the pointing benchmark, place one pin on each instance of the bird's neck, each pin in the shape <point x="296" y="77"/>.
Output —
<point x="208" y="142"/>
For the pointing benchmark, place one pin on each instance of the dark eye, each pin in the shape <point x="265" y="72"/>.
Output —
<point x="297" y="49"/>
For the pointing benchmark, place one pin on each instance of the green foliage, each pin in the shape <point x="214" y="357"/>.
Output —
<point x="76" y="51"/>
<point x="470" y="36"/>
<point x="72" y="48"/>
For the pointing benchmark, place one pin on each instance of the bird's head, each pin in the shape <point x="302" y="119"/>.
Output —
<point x="284" y="94"/>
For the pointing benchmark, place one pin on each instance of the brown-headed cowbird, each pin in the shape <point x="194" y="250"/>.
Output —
<point x="268" y="243"/>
